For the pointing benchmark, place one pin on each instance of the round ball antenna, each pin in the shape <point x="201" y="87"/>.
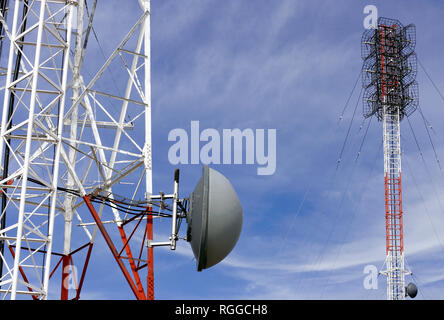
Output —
<point x="411" y="290"/>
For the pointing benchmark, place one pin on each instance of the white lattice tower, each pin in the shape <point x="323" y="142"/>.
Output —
<point x="393" y="207"/>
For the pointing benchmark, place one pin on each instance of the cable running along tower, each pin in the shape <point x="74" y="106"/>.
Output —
<point x="391" y="93"/>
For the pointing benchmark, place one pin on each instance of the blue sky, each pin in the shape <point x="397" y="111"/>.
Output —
<point x="311" y="227"/>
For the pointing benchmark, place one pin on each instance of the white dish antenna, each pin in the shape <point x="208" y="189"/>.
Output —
<point x="214" y="218"/>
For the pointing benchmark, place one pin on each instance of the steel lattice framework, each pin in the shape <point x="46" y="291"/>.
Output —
<point x="391" y="93"/>
<point x="69" y="146"/>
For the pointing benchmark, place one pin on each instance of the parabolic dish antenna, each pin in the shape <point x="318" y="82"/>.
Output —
<point x="214" y="219"/>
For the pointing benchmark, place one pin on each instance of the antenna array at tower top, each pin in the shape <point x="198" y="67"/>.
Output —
<point x="389" y="69"/>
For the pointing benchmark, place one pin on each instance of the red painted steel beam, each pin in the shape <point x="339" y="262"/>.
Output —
<point x="85" y="266"/>
<point x="65" y="277"/>
<point x="131" y="261"/>
<point x="22" y="273"/>
<point x="111" y="246"/>
<point x="150" y="275"/>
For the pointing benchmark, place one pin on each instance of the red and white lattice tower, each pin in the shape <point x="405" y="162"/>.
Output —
<point x="391" y="93"/>
<point x="75" y="153"/>
<point x="393" y="207"/>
